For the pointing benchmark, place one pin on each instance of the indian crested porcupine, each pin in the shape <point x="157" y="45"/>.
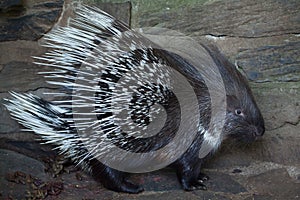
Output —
<point x="118" y="83"/>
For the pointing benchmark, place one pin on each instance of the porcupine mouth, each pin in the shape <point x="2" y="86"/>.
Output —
<point x="246" y="137"/>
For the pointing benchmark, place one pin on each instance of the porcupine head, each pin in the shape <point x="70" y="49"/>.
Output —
<point x="113" y="56"/>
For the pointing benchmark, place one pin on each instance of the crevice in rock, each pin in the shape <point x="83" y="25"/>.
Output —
<point x="224" y="36"/>
<point x="286" y="123"/>
<point x="31" y="90"/>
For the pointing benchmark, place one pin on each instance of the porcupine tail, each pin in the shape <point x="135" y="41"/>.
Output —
<point x="54" y="124"/>
<point x="46" y="119"/>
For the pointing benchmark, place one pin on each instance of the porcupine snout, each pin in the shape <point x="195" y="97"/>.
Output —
<point x="257" y="131"/>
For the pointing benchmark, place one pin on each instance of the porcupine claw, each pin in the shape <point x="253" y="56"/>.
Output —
<point x="203" y="177"/>
<point x="195" y="186"/>
<point x="189" y="183"/>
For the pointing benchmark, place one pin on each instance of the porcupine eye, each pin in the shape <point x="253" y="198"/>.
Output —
<point x="239" y="112"/>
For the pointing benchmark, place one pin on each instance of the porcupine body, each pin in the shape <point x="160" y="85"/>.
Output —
<point x="99" y="42"/>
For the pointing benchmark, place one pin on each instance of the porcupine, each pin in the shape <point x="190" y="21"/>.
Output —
<point x="93" y="33"/>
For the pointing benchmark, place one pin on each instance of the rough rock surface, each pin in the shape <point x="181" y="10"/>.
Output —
<point x="261" y="37"/>
<point x="28" y="20"/>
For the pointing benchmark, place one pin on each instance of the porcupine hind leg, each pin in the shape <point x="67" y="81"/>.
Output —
<point x="112" y="179"/>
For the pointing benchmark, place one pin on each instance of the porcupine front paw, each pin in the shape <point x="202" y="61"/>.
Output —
<point x="195" y="184"/>
<point x="190" y="185"/>
<point x="190" y="180"/>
